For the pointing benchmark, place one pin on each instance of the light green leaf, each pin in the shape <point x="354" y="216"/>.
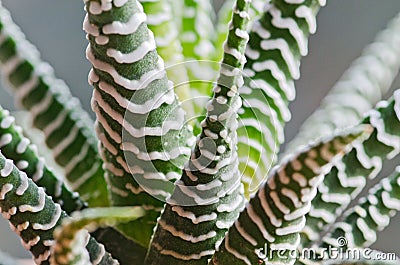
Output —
<point x="71" y="237"/>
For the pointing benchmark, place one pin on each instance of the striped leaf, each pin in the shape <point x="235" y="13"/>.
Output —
<point x="362" y="85"/>
<point x="66" y="126"/>
<point x="349" y="175"/>
<point x="361" y="223"/>
<point x="197" y="35"/>
<point x="267" y="231"/>
<point x="15" y="146"/>
<point x="33" y="215"/>
<point x="278" y="40"/>
<point x="71" y="237"/>
<point x="160" y="20"/>
<point x="208" y="197"/>
<point x="224" y="16"/>
<point x="144" y="141"/>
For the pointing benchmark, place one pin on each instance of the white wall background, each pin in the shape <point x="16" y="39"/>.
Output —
<point x="344" y="28"/>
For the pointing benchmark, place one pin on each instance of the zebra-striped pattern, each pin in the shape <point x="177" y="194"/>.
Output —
<point x="372" y="214"/>
<point x="71" y="238"/>
<point x="197" y="35"/>
<point x="32" y="214"/>
<point x="144" y="142"/>
<point x="268" y="229"/>
<point x="225" y="14"/>
<point x="362" y="85"/>
<point x="161" y="21"/>
<point x="278" y="40"/>
<point x="66" y="126"/>
<point x="208" y="197"/>
<point x="15" y="146"/>
<point x="349" y="175"/>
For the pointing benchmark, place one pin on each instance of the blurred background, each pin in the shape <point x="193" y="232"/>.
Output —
<point x="344" y="28"/>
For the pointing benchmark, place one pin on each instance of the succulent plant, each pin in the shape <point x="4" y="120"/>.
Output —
<point x="181" y="164"/>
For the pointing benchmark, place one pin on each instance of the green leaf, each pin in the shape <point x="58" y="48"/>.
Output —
<point x="366" y="82"/>
<point x="33" y="215"/>
<point x="208" y="197"/>
<point x="71" y="237"/>
<point x="267" y="231"/>
<point x="140" y="123"/>
<point x="224" y="16"/>
<point x="350" y="174"/>
<point x="197" y="35"/>
<point x="278" y="40"/>
<point x="160" y="20"/>
<point x="66" y="126"/>
<point x="15" y="146"/>
<point x="360" y="224"/>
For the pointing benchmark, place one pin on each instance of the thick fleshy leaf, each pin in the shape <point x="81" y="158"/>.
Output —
<point x="267" y="231"/>
<point x="14" y="145"/>
<point x="140" y="123"/>
<point x="360" y="224"/>
<point x="278" y="40"/>
<point x="365" y="83"/>
<point x="66" y="126"/>
<point x="224" y="16"/>
<point x="33" y="215"/>
<point x="349" y="175"/>
<point x="72" y="235"/>
<point x="208" y="197"/>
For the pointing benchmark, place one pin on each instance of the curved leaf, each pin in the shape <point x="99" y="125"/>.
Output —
<point x="278" y="40"/>
<point x="267" y="231"/>
<point x="208" y="197"/>
<point x="71" y="237"/>
<point x="15" y="146"/>
<point x="66" y="126"/>
<point x="362" y="85"/>
<point x="33" y="215"/>
<point x="361" y="223"/>
<point x="349" y="175"/>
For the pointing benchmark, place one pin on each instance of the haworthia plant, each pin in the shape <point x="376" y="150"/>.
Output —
<point x="15" y="146"/>
<point x="33" y="215"/>
<point x="268" y="229"/>
<point x="349" y="175"/>
<point x="144" y="141"/>
<point x="277" y="42"/>
<point x="71" y="237"/>
<point x="208" y="197"/>
<point x="362" y="85"/>
<point x="192" y="201"/>
<point x="66" y="126"/>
